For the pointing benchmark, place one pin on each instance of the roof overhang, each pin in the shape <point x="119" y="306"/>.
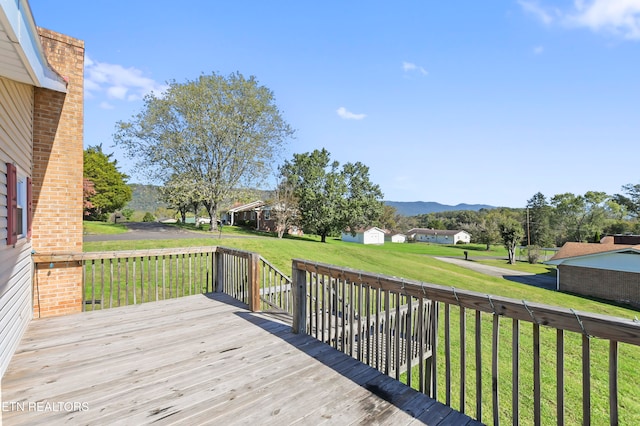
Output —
<point x="633" y="249"/>
<point x="21" y="56"/>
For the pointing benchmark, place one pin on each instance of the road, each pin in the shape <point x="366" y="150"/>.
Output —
<point x="542" y="281"/>
<point x="153" y="231"/>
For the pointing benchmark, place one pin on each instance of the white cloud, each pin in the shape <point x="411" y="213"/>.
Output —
<point x="411" y="67"/>
<point x="106" y="105"/>
<point x="533" y="8"/>
<point x="117" y="82"/>
<point x="538" y="50"/>
<point x="348" y="115"/>
<point x="618" y="17"/>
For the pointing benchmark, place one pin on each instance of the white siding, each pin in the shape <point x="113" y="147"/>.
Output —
<point x="16" y="130"/>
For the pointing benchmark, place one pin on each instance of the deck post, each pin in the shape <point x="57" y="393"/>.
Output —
<point x="254" y="282"/>
<point x="299" y="287"/>
<point x="218" y="281"/>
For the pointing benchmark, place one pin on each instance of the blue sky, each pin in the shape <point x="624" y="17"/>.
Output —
<point x="454" y="102"/>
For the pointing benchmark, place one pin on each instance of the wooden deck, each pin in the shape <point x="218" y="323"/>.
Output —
<point x="201" y="359"/>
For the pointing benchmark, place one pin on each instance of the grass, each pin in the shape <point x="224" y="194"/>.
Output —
<point x="103" y="228"/>
<point x="415" y="261"/>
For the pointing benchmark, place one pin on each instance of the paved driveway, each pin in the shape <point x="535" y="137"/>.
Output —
<point x="151" y="231"/>
<point x="542" y="281"/>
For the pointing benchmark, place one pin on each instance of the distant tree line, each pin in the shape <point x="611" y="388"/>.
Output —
<point x="544" y="222"/>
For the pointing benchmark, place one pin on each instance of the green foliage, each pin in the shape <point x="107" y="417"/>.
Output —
<point x="511" y="232"/>
<point x="539" y="221"/>
<point x="127" y="213"/>
<point x="331" y="199"/>
<point x="109" y="184"/>
<point x="145" y="198"/>
<point x="216" y="133"/>
<point x="148" y="217"/>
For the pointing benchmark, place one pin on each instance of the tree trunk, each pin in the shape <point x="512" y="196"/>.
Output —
<point x="323" y="238"/>
<point x="213" y="213"/>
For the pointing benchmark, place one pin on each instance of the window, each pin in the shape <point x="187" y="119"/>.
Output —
<point x="18" y="205"/>
<point x="267" y="214"/>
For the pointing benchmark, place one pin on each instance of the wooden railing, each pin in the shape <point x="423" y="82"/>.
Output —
<point x="463" y="361"/>
<point x="275" y="289"/>
<point x="118" y="278"/>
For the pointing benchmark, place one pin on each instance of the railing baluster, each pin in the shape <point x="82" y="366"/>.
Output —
<point x="111" y="283"/>
<point x="613" y="382"/>
<point x="101" y="285"/>
<point x="586" y="380"/>
<point x="119" y="267"/>
<point x="515" y="371"/>
<point x="387" y="332"/>
<point x="156" y="276"/>
<point x="536" y="375"/>
<point x="447" y="354"/>
<point x="560" y="377"/>
<point x="421" y="344"/>
<point x="494" y="368"/>
<point x="126" y="281"/>
<point x="463" y="358"/>
<point x="408" y="339"/>
<point x="141" y="279"/>
<point x="478" y="366"/>
<point x="133" y="277"/>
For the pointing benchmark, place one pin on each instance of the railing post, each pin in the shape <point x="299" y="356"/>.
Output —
<point x="299" y="290"/>
<point x="218" y="260"/>
<point x="254" y="282"/>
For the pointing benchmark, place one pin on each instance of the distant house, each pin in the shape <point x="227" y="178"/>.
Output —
<point x="370" y="235"/>
<point x="257" y="215"/>
<point x="395" y="237"/>
<point x="608" y="270"/>
<point x="439" y="236"/>
<point x="244" y="214"/>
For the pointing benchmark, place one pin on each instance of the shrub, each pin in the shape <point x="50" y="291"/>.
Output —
<point x="534" y="254"/>
<point x="148" y="217"/>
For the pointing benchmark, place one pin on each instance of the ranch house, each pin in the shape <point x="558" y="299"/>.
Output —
<point x="439" y="236"/>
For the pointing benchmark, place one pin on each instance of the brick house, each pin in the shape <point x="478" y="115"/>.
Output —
<point x="41" y="148"/>
<point x="607" y="270"/>
<point x="257" y="215"/>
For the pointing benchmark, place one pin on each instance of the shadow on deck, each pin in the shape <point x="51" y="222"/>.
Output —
<point x="195" y="360"/>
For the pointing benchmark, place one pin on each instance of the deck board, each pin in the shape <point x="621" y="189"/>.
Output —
<point x="201" y="359"/>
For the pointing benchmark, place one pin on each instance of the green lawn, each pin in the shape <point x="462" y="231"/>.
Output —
<point x="90" y="227"/>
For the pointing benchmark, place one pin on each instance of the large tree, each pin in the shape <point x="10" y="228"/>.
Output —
<point x="331" y="199"/>
<point x="110" y="188"/>
<point x="579" y="217"/>
<point x="218" y="132"/>
<point x="539" y="221"/>
<point x="631" y="199"/>
<point x="512" y="233"/>
<point x="180" y="194"/>
<point x="284" y="208"/>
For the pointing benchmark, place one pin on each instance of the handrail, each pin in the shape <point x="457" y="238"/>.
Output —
<point x="591" y="324"/>
<point x="450" y="365"/>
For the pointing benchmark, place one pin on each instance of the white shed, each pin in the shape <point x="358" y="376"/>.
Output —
<point x="371" y="235"/>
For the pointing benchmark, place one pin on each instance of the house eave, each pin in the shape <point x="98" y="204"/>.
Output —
<point x="22" y="58"/>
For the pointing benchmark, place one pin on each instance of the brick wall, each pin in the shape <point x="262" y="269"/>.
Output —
<point x="611" y="285"/>
<point x="57" y="178"/>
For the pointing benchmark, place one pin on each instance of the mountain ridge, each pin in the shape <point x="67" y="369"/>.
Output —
<point x="415" y="208"/>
